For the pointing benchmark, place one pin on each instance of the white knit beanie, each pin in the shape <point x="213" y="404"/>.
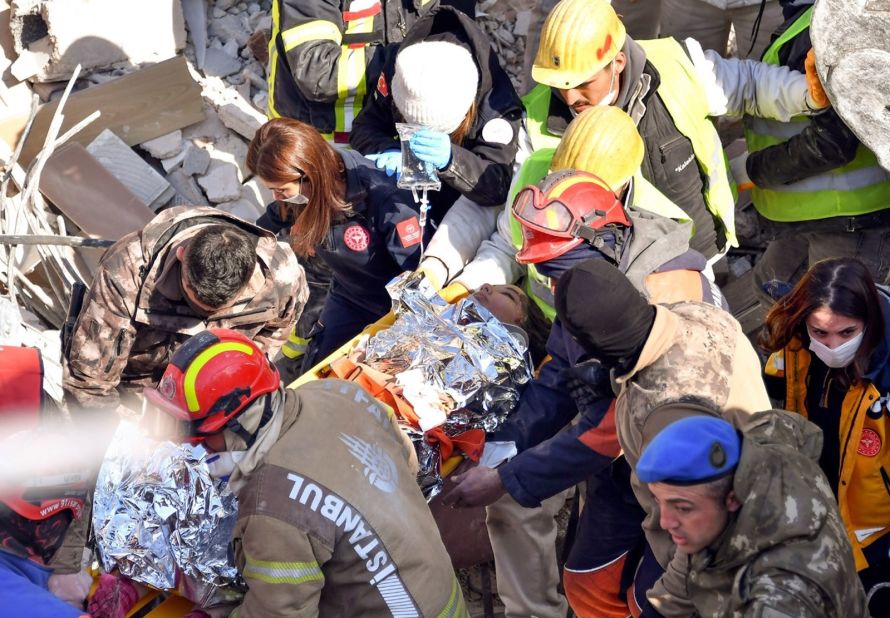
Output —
<point x="435" y="84"/>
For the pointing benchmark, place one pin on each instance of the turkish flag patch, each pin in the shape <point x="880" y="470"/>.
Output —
<point x="409" y="232"/>
<point x="382" y="88"/>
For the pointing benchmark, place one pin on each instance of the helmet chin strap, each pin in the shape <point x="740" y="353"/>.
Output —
<point x="250" y="437"/>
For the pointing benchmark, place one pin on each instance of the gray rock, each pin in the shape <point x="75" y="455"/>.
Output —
<point x="187" y="190"/>
<point x="220" y="183"/>
<point x="165" y="146"/>
<point x="853" y="52"/>
<point x="196" y="161"/>
<point x="232" y="27"/>
<point x="219" y="63"/>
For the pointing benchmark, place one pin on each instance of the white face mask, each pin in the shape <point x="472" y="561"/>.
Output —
<point x="840" y="356"/>
<point x="299" y="199"/>
<point x="607" y="100"/>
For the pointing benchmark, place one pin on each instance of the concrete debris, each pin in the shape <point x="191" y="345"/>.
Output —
<point x="232" y="27"/>
<point x="187" y="190"/>
<point x="196" y="162"/>
<point x="209" y="129"/>
<point x="134" y="173"/>
<point x="241" y="117"/>
<point x="164" y="146"/>
<point x="221" y="183"/>
<point x="240" y="208"/>
<point x="129" y="31"/>
<point x="853" y="60"/>
<point x="257" y="194"/>
<point x="195" y="13"/>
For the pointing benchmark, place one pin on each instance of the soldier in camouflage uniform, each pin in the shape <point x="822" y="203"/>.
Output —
<point x="754" y="516"/>
<point x="140" y="305"/>
<point x="687" y="352"/>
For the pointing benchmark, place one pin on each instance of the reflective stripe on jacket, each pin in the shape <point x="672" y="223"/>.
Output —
<point x="864" y="475"/>
<point x="319" y="53"/>
<point x="857" y="188"/>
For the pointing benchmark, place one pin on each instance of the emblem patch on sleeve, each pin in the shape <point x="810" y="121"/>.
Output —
<point x="409" y="232"/>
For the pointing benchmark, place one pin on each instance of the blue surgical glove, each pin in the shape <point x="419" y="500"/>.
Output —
<point x="391" y="161"/>
<point x="434" y="147"/>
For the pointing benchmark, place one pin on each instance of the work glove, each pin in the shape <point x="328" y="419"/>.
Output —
<point x="114" y="597"/>
<point x="391" y="161"/>
<point x="434" y="271"/>
<point x="453" y="292"/>
<point x="433" y="147"/>
<point x="72" y="588"/>
<point x="814" y="84"/>
<point x="739" y="169"/>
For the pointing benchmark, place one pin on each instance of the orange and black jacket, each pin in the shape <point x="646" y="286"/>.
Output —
<point x="864" y="474"/>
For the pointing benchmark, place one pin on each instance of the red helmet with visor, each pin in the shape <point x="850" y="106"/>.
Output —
<point x="565" y="209"/>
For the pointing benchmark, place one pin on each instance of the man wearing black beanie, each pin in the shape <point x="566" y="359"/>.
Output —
<point x="612" y="330"/>
<point x="677" y="357"/>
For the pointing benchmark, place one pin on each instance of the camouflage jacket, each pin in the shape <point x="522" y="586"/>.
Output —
<point x="785" y="553"/>
<point x="134" y="316"/>
<point x="697" y="354"/>
<point x="331" y="521"/>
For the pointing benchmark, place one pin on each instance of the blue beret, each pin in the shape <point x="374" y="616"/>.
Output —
<point x="690" y="451"/>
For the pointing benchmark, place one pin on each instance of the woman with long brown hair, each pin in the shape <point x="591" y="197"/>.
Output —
<point x="829" y="340"/>
<point x="347" y="213"/>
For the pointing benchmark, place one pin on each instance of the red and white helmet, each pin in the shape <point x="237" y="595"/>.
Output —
<point x="212" y="378"/>
<point x="562" y="211"/>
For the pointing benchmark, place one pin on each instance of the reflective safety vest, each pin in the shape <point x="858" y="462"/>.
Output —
<point x="536" y="167"/>
<point x="857" y="188"/>
<point x="685" y="100"/>
<point x="364" y="27"/>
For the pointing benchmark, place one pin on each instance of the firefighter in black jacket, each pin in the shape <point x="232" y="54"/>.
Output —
<point x="323" y="52"/>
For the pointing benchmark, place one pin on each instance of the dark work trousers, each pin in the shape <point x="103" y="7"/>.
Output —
<point x="608" y="545"/>
<point x="341" y="320"/>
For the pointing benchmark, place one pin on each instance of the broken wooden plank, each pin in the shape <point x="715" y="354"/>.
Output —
<point x="87" y="193"/>
<point x="137" y="107"/>
<point x="50" y="239"/>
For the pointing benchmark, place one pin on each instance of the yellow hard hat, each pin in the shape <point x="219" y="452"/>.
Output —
<point x="603" y="141"/>
<point x="580" y="37"/>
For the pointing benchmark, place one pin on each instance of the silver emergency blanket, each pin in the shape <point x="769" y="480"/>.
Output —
<point x="458" y="366"/>
<point x="161" y="520"/>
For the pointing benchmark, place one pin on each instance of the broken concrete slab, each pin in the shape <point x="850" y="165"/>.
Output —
<point x="240" y="116"/>
<point x="164" y="146"/>
<point x="28" y="64"/>
<point x="211" y="128"/>
<point x="234" y="27"/>
<point x="187" y="190"/>
<point x="196" y="162"/>
<point x="221" y="183"/>
<point x="853" y="59"/>
<point x="135" y="174"/>
<point x="96" y="201"/>
<point x="171" y="163"/>
<point x="219" y="63"/>
<point x="134" y="31"/>
<point x="195" y="13"/>
<point x="240" y="208"/>
<point x="232" y="150"/>
<point x="257" y="194"/>
<point x="137" y="107"/>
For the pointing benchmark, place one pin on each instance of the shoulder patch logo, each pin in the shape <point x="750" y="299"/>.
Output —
<point x="382" y="88"/>
<point x="357" y="237"/>
<point x="869" y="443"/>
<point x="497" y="131"/>
<point x="379" y="468"/>
<point x="409" y="232"/>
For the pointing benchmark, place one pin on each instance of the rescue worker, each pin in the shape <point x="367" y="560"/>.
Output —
<point x="829" y="341"/>
<point x="331" y="521"/>
<point x="753" y="515"/>
<point x="445" y="76"/>
<point x="669" y="89"/>
<point x="346" y="212"/>
<point x="325" y="56"/>
<point x="44" y="499"/>
<point x="187" y="268"/>
<point x="820" y="193"/>
<point x="604" y="141"/>
<point x="690" y="354"/>
<point x="573" y="217"/>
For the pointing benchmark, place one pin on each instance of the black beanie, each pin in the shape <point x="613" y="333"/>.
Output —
<point x="604" y="312"/>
